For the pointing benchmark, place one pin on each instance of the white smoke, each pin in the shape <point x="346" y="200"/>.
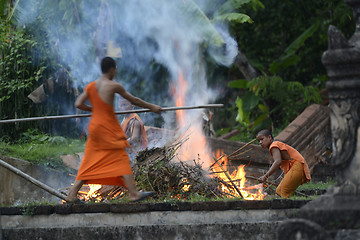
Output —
<point x="171" y="33"/>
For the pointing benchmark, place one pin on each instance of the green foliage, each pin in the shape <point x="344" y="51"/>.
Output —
<point x="292" y="40"/>
<point x="18" y="74"/>
<point x="29" y="210"/>
<point x="318" y="185"/>
<point x="288" y="37"/>
<point x="234" y="17"/>
<point x="34" y="136"/>
<point x="275" y="88"/>
<point x="271" y="101"/>
<point x="230" y="12"/>
<point x="289" y="57"/>
<point x="287" y="40"/>
<point x="30" y="206"/>
<point x="42" y="149"/>
<point x="26" y="60"/>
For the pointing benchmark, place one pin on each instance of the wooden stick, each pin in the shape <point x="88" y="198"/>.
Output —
<point x="165" y="109"/>
<point x="270" y="183"/>
<point x="258" y="179"/>
<point x="32" y="180"/>
<point x="238" y="155"/>
<point x="228" y="176"/>
<point x="234" y="153"/>
<point x="216" y="160"/>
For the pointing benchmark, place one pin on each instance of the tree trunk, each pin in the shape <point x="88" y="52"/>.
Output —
<point x="245" y="66"/>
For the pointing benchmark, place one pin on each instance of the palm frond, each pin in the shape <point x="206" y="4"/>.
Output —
<point x="234" y="17"/>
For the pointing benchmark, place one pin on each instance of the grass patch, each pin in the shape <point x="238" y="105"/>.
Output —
<point x="318" y="185"/>
<point x="42" y="149"/>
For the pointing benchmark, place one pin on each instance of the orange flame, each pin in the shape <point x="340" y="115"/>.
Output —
<point x="238" y="178"/>
<point x="180" y="92"/>
<point x="197" y="146"/>
<point x="92" y="193"/>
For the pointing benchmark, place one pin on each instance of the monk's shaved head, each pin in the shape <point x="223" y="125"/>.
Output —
<point x="264" y="132"/>
<point x="106" y="64"/>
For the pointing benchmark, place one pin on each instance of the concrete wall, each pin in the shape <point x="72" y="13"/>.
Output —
<point x="251" y="220"/>
<point x="16" y="190"/>
<point x="184" y="220"/>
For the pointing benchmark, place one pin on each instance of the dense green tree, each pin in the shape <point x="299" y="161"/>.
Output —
<point x="285" y="42"/>
<point x="279" y="23"/>
<point x="281" y="40"/>
<point x="27" y="60"/>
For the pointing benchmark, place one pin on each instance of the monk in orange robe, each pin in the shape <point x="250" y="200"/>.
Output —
<point x="105" y="160"/>
<point x="133" y="127"/>
<point x="296" y="170"/>
<point x="134" y="130"/>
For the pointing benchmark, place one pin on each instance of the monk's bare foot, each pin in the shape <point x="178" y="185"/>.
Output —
<point x="71" y="198"/>
<point x="74" y="200"/>
<point x="134" y="196"/>
<point x="142" y="196"/>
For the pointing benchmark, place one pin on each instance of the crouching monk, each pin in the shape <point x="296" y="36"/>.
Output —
<point x="105" y="160"/>
<point x="134" y="129"/>
<point x="296" y="170"/>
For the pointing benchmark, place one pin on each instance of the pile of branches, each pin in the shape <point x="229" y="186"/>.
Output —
<point x="159" y="170"/>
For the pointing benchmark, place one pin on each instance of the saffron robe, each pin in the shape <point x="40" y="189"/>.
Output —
<point x="105" y="159"/>
<point x="295" y="169"/>
<point x="127" y="123"/>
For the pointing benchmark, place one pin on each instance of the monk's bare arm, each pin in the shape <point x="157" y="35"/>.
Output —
<point x="135" y="100"/>
<point x="276" y="164"/>
<point x="80" y="102"/>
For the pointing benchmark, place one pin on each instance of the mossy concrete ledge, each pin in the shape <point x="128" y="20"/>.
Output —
<point x="179" y="220"/>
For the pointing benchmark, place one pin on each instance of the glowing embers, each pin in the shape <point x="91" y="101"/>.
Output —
<point x="100" y="193"/>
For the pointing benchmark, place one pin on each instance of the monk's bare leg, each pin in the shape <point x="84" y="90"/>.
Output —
<point x="72" y="196"/>
<point x="134" y="194"/>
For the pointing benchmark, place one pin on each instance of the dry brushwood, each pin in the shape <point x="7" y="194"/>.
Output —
<point x="157" y="170"/>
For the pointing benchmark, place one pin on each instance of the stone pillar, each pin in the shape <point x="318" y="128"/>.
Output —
<point x="342" y="62"/>
<point x="338" y="211"/>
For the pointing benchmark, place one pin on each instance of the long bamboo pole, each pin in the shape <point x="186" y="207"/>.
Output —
<point x="237" y="151"/>
<point x="165" y="109"/>
<point x="32" y="180"/>
<point x="232" y="154"/>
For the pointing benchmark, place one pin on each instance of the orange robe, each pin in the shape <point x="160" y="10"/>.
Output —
<point x="125" y="125"/>
<point x="296" y="170"/>
<point x="105" y="159"/>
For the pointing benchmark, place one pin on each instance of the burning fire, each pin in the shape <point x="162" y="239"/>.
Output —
<point x="92" y="192"/>
<point x="237" y="178"/>
<point x="235" y="182"/>
<point x="197" y="146"/>
<point x="179" y="93"/>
